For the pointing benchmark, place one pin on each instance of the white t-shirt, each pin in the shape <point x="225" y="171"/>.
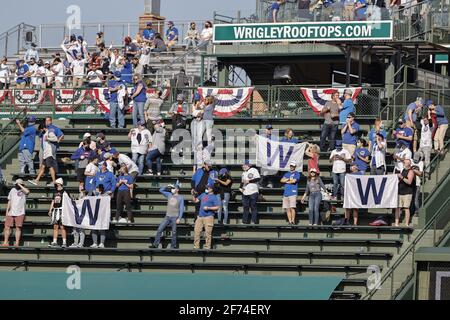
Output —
<point x="91" y="169"/>
<point x="78" y="67"/>
<point x="406" y="154"/>
<point x="95" y="76"/>
<point x="250" y="188"/>
<point x="339" y="166"/>
<point x="419" y="179"/>
<point x="18" y="199"/>
<point x="207" y="34"/>
<point x="59" y="70"/>
<point x="142" y="146"/>
<point x="5" y="73"/>
<point x="124" y="159"/>
<point x="426" y="135"/>
<point x="33" y="70"/>
<point x="49" y="75"/>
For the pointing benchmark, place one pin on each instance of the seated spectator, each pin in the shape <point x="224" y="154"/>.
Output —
<point x="149" y="33"/>
<point x="362" y="156"/>
<point x="273" y="11"/>
<point x="224" y="183"/>
<point x="158" y="44"/>
<point x="313" y="190"/>
<point x="347" y="107"/>
<point x="125" y="185"/>
<point x="349" y="10"/>
<point x="250" y="193"/>
<point x="171" y="35"/>
<point x="402" y="153"/>
<point x="350" y="133"/>
<point x="192" y="37"/>
<point x="209" y="205"/>
<point x="289" y="136"/>
<point x="157" y="148"/>
<point x="290" y="181"/>
<point x="360" y="10"/>
<point x="207" y="34"/>
<point x="55" y="213"/>
<point x="378" y="153"/>
<point x="90" y="172"/>
<point x="313" y="154"/>
<point x="403" y="135"/>
<point x="339" y="157"/>
<point x="303" y="10"/>
<point x="15" y="212"/>
<point x="406" y="183"/>
<point x="153" y="109"/>
<point x="140" y="139"/>
<point x="130" y="48"/>
<point x="174" y="214"/>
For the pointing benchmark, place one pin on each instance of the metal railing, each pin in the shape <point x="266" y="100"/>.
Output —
<point x="9" y="134"/>
<point x="14" y="40"/>
<point x="435" y="224"/>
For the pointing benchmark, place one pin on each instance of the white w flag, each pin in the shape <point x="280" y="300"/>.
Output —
<point x="371" y="192"/>
<point x="92" y="213"/>
<point x="277" y="155"/>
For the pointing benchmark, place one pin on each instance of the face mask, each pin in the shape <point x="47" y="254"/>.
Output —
<point x="18" y="188"/>
<point x="174" y="191"/>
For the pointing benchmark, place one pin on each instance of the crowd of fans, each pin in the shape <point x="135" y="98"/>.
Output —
<point x="78" y="65"/>
<point x="102" y="170"/>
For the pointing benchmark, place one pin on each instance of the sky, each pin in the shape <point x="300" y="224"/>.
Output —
<point x="54" y="11"/>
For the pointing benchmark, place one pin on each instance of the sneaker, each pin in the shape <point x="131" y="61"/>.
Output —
<point x="153" y="246"/>
<point x="64" y="246"/>
<point x="114" y="221"/>
<point x="33" y="182"/>
<point x="80" y="246"/>
<point x="53" y="245"/>
<point x="149" y="173"/>
<point x="94" y="246"/>
<point x="159" y="174"/>
<point x="50" y="184"/>
<point x="73" y="245"/>
<point x="101" y="246"/>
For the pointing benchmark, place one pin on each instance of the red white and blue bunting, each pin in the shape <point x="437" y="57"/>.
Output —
<point x="229" y="101"/>
<point x="318" y="97"/>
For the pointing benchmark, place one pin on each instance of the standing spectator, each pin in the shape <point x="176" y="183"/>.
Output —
<point x="442" y="123"/>
<point x="149" y="33"/>
<point x="181" y="82"/>
<point x="433" y="118"/>
<point x="206" y="35"/>
<point x="33" y="74"/>
<point x="55" y="213"/>
<point x="406" y="185"/>
<point x="100" y="39"/>
<point x="273" y="11"/>
<point x="49" y="76"/>
<point x="78" y="71"/>
<point x="157" y="148"/>
<point x="115" y="112"/>
<point x="289" y="136"/>
<point x="418" y="168"/>
<point x="374" y="131"/>
<point x="197" y="124"/>
<point x="171" y="36"/>
<point x="125" y="185"/>
<point x="378" y="152"/>
<point x="100" y="192"/>
<point x="139" y="98"/>
<point x="15" y="212"/>
<point x="140" y="139"/>
<point x="353" y="170"/>
<point x="90" y="172"/>
<point x="339" y="157"/>
<point x="158" y="44"/>
<point x="124" y="160"/>
<point x="209" y="205"/>
<point x="179" y="112"/>
<point x="403" y="153"/>
<point x="82" y="156"/>
<point x="425" y="143"/>
<point x="268" y="175"/>
<point x="313" y="190"/>
<point x="200" y="179"/>
<point x="58" y="72"/>
<point x="31" y="53"/>
<point x="174" y="214"/>
<point x="95" y="78"/>
<point x="290" y="181"/>
<point x="403" y="134"/>
<point x="412" y="112"/>
<point x="153" y="109"/>
<point x="126" y="73"/>
<point x="330" y="112"/>
<point x="5" y="74"/>
<point x="313" y="153"/>
<point x="362" y="156"/>
<point x="208" y="117"/>
<point x="224" y="182"/>
<point x="192" y="37"/>
<point x="22" y="70"/>
<point x="26" y="145"/>
<point x="49" y="143"/>
<point x="130" y="48"/>
<point x="350" y="134"/>
<point x="347" y="107"/>
<point x="105" y="178"/>
<point x="250" y="193"/>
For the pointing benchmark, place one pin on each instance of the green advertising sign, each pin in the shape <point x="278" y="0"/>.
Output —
<point x="301" y="31"/>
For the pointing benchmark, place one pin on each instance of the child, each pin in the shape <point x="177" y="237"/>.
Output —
<point x="55" y="213"/>
<point x="100" y="192"/>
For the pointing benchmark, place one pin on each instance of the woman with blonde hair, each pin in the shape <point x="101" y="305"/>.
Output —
<point x="313" y="153"/>
<point x="313" y="190"/>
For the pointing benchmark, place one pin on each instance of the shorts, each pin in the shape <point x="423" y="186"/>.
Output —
<point x="50" y="162"/>
<point x="80" y="175"/>
<point x="404" y="201"/>
<point x="56" y="216"/>
<point x="290" y="202"/>
<point x="10" y="221"/>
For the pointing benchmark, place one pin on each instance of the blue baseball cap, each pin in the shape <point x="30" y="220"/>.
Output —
<point x="31" y="119"/>
<point x="429" y="103"/>
<point x="223" y="171"/>
<point x="269" y="127"/>
<point x="210" y="186"/>
<point x="247" y="163"/>
<point x="338" y="143"/>
<point x="141" y="123"/>
<point x="149" y="24"/>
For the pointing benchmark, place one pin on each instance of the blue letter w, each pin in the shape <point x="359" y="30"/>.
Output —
<point x="87" y="206"/>
<point x="371" y="185"/>
<point x="280" y="152"/>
